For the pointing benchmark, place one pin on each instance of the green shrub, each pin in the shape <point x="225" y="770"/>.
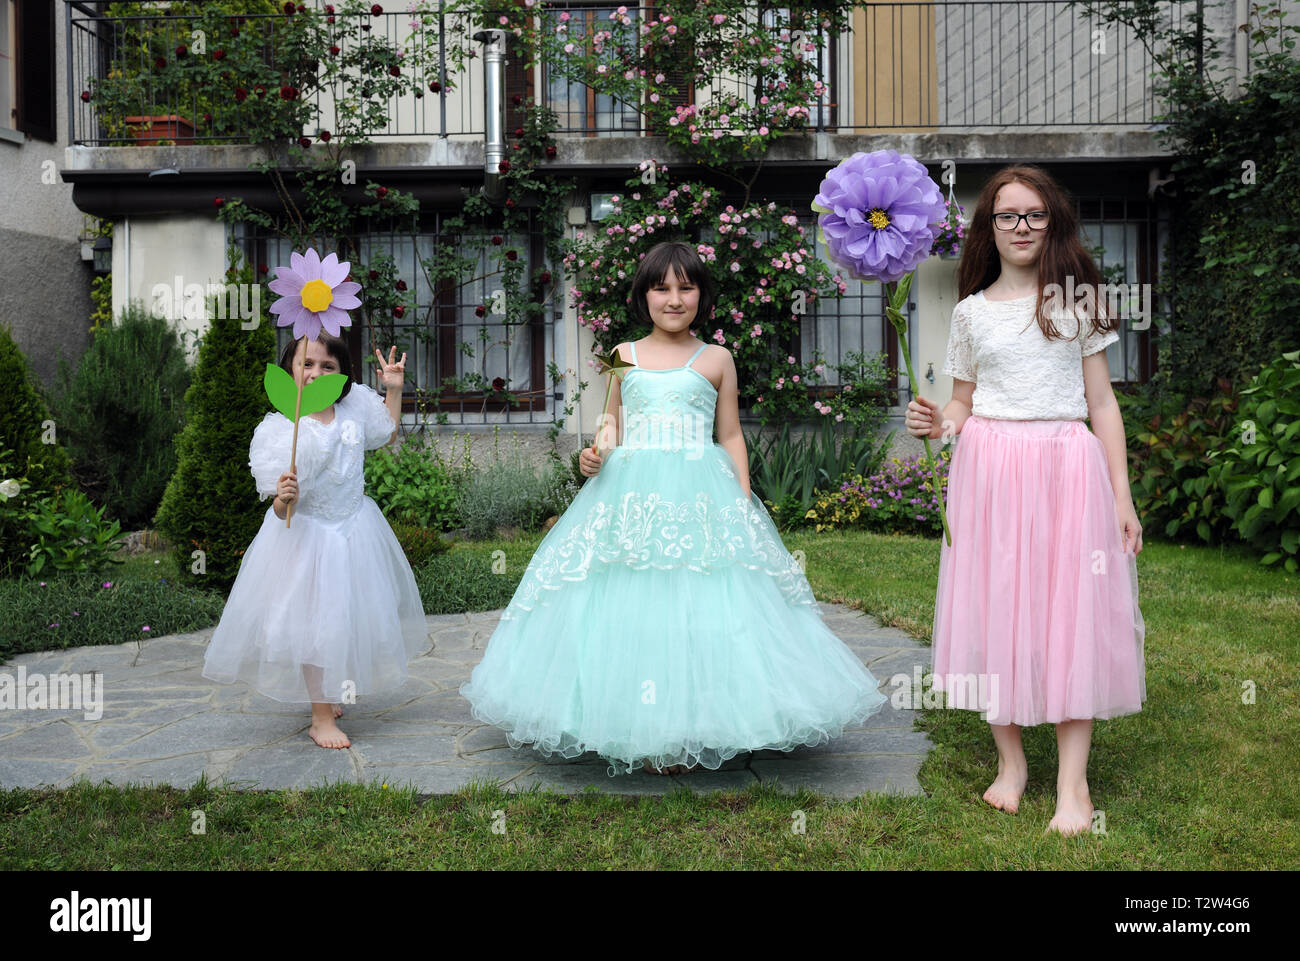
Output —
<point x="120" y="412"/>
<point x="418" y="543"/>
<point x="77" y="611"/>
<point x="1170" y="445"/>
<point x="70" y="536"/>
<point x="211" y="502"/>
<point x="41" y="468"/>
<point x="454" y="582"/>
<point x="511" y="492"/>
<point x="1260" y="474"/>
<point x="785" y="472"/>
<point x="412" y="487"/>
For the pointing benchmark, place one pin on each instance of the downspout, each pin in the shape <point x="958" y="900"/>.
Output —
<point x="494" y="113"/>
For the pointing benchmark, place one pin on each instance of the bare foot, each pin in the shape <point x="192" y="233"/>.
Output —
<point x="327" y="734"/>
<point x="1073" y="810"/>
<point x="1005" y="791"/>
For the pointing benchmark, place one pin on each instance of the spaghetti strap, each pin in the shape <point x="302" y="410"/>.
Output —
<point x="694" y="355"/>
<point x="632" y="344"/>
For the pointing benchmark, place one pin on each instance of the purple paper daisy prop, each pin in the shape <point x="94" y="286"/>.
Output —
<point x="879" y="216"/>
<point x="315" y="294"/>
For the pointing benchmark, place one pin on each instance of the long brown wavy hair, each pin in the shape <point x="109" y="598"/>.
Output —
<point x="1063" y="253"/>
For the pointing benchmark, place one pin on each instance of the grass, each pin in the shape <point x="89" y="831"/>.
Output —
<point x="1198" y="781"/>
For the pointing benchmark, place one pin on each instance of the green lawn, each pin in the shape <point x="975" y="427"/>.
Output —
<point x="1198" y="780"/>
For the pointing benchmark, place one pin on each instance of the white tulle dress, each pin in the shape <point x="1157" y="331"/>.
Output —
<point x="328" y="606"/>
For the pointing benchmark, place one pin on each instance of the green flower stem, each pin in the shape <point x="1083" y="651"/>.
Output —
<point x="897" y="298"/>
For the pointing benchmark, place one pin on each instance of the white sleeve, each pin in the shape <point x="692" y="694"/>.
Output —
<point x="1094" y="341"/>
<point x="373" y="415"/>
<point x="268" y="454"/>
<point x="960" y="362"/>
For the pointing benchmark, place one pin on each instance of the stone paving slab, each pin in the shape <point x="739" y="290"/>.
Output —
<point x="164" y="723"/>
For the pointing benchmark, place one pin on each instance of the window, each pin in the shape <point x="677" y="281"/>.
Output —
<point x="32" y="105"/>
<point x="579" y="108"/>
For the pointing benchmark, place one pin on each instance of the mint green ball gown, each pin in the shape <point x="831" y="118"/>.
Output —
<point x="661" y="619"/>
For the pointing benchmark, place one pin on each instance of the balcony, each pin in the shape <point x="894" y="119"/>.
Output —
<point x="975" y="71"/>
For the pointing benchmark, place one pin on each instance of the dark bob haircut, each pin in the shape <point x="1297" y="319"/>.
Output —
<point x="684" y="262"/>
<point x="338" y="349"/>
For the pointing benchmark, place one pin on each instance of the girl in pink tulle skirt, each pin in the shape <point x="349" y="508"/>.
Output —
<point x="1036" y="615"/>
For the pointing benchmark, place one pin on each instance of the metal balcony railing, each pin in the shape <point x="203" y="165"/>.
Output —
<point x="945" y="66"/>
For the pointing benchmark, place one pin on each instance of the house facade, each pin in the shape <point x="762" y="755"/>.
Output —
<point x="964" y="87"/>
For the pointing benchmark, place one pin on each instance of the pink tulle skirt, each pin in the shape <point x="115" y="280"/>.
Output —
<point x="1036" y="618"/>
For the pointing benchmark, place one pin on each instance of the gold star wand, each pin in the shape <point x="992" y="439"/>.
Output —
<point x="616" y="366"/>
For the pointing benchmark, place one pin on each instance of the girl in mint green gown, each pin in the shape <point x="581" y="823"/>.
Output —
<point x="661" y="622"/>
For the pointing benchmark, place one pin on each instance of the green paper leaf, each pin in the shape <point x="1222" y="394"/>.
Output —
<point x="322" y="392"/>
<point x="280" y="389"/>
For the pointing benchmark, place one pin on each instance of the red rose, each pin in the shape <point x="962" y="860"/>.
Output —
<point x="302" y="8"/>
<point x="262" y="269"/>
<point x="334" y="51"/>
<point x="182" y="50"/>
<point x="381" y="192"/>
<point x="325" y="136"/>
<point x="480" y="311"/>
<point x="218" y="201"/>
<point x="289" y="9"/>
<point x="512" y="255"/>
<point x="304" y="142"/>
<point x="160" y="62"/>
<point x="329" y="8"/>
<point x="545" y="278"/>
<point x="434" y="86"/>
<point x="218" y="55"/>
<point x="260" y="90"/>
<point x="376" y="9"/>
<point x="240" y="94"/>
<point x="365" y="26"/>
<point x="498" y="383"/>
<point x="401" y="285"/>
<point x="395" y="70"/>
<point x="329" y="19"/>
<point x="550" y="151"/>
<point x="510" y="202"/>
<point x="85" y="96"/>
<point x="207" y="119"/>
<point x="519" y="131"/>
<point x="516" y="100"/>
<point x="288" y="93"/>
<point x="496" y="240"/>
<point x="374" y="275"/>
<point x="398" y="311"/>
<point x="504" y="166"/>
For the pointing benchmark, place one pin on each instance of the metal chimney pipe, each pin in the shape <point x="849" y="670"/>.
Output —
<point x="494" y="111"/>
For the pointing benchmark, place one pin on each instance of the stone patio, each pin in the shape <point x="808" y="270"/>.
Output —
<point x="163" y="723"/>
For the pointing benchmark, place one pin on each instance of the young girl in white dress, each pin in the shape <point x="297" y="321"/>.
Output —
<point x="326" y="609"/>
<point x="1037" y="595"/>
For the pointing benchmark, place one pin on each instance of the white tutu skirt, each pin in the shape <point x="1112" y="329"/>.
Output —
<point x="320" y="611"/>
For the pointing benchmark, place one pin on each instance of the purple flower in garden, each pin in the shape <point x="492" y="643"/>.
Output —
<point x="879" y="214"/>
<point x="315" y="293"/>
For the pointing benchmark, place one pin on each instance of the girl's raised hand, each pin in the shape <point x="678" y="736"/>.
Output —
<point x="921" y="417"/>
<point x="392" y="373"/>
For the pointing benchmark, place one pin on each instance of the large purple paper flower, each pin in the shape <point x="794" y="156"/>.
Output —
<point x="879" y="214"/>
<point x="314" y="293"/>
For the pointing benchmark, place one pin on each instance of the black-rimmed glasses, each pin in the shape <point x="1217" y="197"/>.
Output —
<point x="1036" y="219"/>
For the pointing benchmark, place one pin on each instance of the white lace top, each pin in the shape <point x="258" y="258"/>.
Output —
<point x="331" y="457"/>
<point x="1018" y="373"/>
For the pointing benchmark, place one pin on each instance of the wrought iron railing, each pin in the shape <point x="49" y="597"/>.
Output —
<point x="959" y="65"/>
